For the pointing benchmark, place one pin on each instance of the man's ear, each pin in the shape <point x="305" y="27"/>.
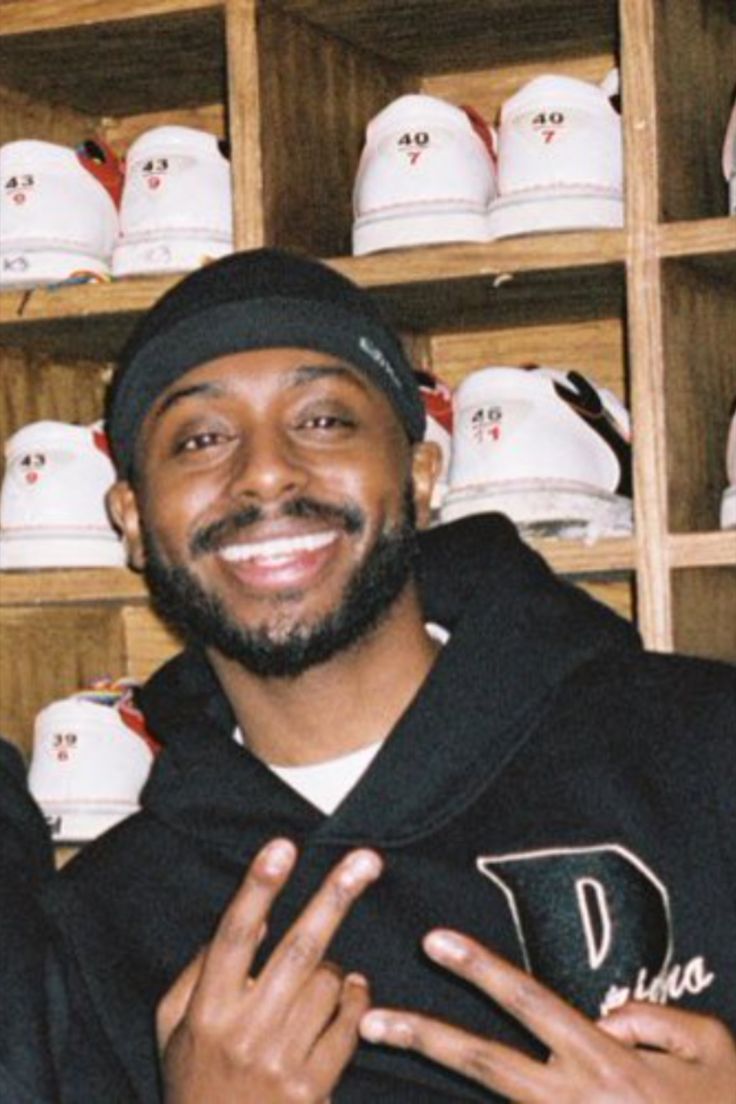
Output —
<point x="426" y="467"/>
<point x="122" y="507"/>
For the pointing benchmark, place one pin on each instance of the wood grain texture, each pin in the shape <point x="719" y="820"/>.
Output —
<point x="24" y="117"/>
<point x="35" y="387"/>
<point x="433" y="36"/>
<point x="595" y="348"/>
<point x="644" y="320"/>
<point x="148" y="642"/>
<point x="121" y="66"/>
<point x="696" y="69"/>
<point x="699" y="386"/>
<point x="704" y="604"/>
<point x="48" y="653"/>
<point x="19" y="16"/>
<point x="244" y="114"/>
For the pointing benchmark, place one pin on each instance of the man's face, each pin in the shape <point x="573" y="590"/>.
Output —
<point x="274" y="506"/>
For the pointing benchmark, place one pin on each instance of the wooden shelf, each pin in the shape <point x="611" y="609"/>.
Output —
<point x="702" y="549"/>
<point x="22" y="17"/>
<point x="71" y="586"/>
<point x="539" y="278"/>
<point x="698" y="238"/>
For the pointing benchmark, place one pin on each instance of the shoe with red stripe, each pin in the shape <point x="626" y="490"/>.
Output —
<point x="426" y="175"/>
<point x="91" y="757"/>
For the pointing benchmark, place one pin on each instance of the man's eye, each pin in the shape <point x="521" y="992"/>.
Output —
<point x="197" y="441"/>
<point x="327" y="421"/>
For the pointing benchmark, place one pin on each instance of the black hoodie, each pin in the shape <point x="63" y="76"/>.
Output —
<point x="26" y="864"/>
<point x="553" y="790"/>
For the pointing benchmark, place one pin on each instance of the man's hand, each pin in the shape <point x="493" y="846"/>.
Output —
<point x="694" y="1063"/>
<point x="225" y="1036"/>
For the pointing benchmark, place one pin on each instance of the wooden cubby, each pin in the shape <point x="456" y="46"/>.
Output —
<point x="648" y="310"/>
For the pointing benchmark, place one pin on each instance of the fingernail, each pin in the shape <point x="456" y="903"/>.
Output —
<point x="357" y="980"/>
<point x="377" y="1028"/>
<point x="445" y="945"/>
<point x="373" y="1028"/>
<point x="359" y="867"/>
<point x="278" y="856"/>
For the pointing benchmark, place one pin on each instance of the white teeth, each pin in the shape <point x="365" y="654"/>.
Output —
<point x="279" y="549"/>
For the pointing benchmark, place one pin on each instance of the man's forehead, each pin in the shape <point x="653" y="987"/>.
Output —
<point x="290" y="368"/>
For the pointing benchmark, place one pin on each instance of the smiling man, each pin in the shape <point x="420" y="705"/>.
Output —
<point x="448" y="736"/>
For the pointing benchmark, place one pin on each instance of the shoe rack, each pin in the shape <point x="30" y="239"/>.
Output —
<point x="649" y="310"/>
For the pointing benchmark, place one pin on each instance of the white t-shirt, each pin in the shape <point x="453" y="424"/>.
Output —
<point x="328" y="783"/>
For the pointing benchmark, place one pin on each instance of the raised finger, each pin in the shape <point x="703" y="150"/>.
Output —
<point x="305" y="943"/>
<point x="229" y="957"/>
<point x="562" y="1028"/>
<point x="491" y="1064"/>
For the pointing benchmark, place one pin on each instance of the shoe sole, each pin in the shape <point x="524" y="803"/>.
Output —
<point x="407" y="224"/>
<point x="47" y="266"/>
<point x="537" y="212"/>
<point x="26" y="551"/>
<point x="165" y="252"/>
<point x="542" y="508"/>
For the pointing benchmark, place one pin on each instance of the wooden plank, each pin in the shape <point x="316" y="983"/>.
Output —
<point x="23" y="17"/>
<point x="245" y="115"/>
<point x="576" y="558"/>
<point x="704" y="602"/>
<point x="141" y="60"/>
<point x="594" y="348"/>
<point x="25" y="117"/>
<point x="434" y="36"/>
<point x="148" y="642"/>
<point x="80" y="301"/>
<point x="71" y="586"/>
<point x="699" y="387"/>
<point x="49" y="653"/>
<point x="696" y="63"/>
<point x="703" y="236"/>
<point x="496" y="261"/>
<point x="34" y="387"/>
<point x="645" y="321"/>
<point x="618" y="595"/>
<point x="702" y="549"/>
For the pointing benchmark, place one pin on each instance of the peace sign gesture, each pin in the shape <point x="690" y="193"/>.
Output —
<point x="285" y="1035"/>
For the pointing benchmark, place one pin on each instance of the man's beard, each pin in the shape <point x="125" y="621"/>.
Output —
<point x="369" y="594"/>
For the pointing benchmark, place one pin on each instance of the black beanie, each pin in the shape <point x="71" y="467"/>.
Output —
<point x="260" y="299"/>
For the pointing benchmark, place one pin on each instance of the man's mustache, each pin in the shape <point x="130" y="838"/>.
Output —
<point x="228" y="529"/>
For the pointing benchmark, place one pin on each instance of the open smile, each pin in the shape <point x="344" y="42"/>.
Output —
<point x="280" y="562"/>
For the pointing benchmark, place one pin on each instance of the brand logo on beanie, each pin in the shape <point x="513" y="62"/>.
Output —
<point x="372" y="350"/>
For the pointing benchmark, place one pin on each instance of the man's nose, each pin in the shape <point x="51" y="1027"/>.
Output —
<point x="266" y="467"/>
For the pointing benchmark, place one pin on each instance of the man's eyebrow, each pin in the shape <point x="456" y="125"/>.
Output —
<point x="307" y="373"/>
<point x="212" y="389"/>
